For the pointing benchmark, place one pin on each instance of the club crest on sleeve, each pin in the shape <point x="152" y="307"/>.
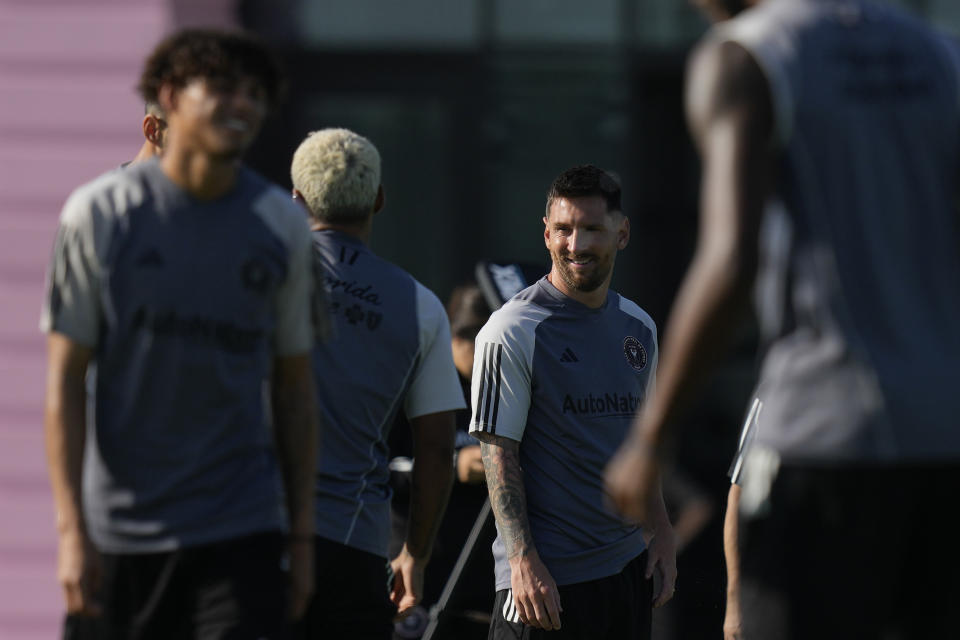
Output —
<point x="635" y="353"/>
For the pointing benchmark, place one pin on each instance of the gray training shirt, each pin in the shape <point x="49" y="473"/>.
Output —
<point x="389" y="352"/>
<point x="859" y="293"/>
<point x="565" y="381"/>
<point x="185" y="305"/>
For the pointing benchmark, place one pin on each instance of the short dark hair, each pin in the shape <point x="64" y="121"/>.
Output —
<point x="585" y="180"/>
<point x="210" y="54"/>
<point x="468" y="311"/>
<point x="152" y="108"/>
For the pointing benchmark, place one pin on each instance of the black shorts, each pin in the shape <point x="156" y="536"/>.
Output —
<point x="234" y="589"/>
<point x="617" y="607"/>
<point x="852" y="552"/>
<point x="352" y="596"/>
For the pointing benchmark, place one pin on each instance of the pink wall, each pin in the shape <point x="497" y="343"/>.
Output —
<point x="68" y="112"/>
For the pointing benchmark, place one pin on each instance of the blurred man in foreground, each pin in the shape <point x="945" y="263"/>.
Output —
<point x="154" y="128"/>
<point x="829" y="132"/>
<point x="186" y="279"/>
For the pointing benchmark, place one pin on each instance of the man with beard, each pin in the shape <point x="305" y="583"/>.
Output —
<point x="830" y="138"/>
<point x="558" y="372"/>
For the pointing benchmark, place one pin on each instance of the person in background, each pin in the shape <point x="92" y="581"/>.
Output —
<point x="732" y="620"/>
<point x="472" y="598"/>
<point x="389" y="352"/>
<point x="558" y="371"/>
<point x="468" y="311"/>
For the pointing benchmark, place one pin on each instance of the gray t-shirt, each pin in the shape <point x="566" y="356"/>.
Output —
<point x="389" y="351"/>
<point x="565" y="381"/>
<point x="185" y="305"/>
<point x="860" y="279"/>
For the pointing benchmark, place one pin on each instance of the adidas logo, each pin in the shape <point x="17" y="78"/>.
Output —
<point x="569" y="356"/>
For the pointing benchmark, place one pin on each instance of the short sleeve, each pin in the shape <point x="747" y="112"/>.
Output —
<point x="502" y="376"/>
<point x="72" y="301"/>
<point x="435" y="385"/>
<point x="296" y="297"/>
<point x="631" y="308"/>
<point x="774" y="56"/>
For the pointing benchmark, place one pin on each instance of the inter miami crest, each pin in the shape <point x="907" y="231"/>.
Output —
<point x="255" y="276"/>
<point x="635" y="353"/>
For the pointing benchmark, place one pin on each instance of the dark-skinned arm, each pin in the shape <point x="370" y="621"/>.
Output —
<point x="730" y="114"/>
<point x="433" y="438"/>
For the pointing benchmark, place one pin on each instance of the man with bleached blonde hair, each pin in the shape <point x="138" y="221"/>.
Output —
<point x="390" y="351"/>
<point x="337" y="172"/>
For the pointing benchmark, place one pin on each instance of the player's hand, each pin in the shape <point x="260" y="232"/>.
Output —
<point x="731" y="621"/>
<point x="79" y="572"/>
<point x="535" y="593"/>
<point x="662" y="559"/>
<point x="301" y="575"/>
<point x="630" y="479"/>
<point x="407" y="588"/>
<point x="470" y="465"/>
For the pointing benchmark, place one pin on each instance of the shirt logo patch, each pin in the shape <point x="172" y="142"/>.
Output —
<point x="635" y="353"/>
<point x="569" y="356"/>
<point x="255" y="276"/>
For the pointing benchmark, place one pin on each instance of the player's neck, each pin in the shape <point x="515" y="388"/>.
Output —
<point x="146" y="152"/>
<point x="592" y="299"/>
<point x="359" y="230"/>
<point x="203" y="176"/>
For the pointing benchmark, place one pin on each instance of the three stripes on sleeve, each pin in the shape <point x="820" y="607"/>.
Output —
<point x="488" y="398"/>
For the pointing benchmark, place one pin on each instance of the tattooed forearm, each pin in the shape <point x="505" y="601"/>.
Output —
<point x="508" y="499"/>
